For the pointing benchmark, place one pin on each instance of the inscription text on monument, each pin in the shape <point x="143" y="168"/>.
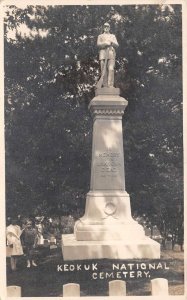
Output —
<point x="108" y="163"/>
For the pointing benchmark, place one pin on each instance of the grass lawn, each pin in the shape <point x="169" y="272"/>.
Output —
<point x="46" y="281"/>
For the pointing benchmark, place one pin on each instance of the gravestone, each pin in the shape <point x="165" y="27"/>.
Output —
<point x="177" y="248"/>
<point x="159" y="286"/>
<point x="168" y="245"/>
<point x="13" y="291"/>
<point x="71" y="290"/>
<point x="117" y="288"/>
<point x="107" y="229"/>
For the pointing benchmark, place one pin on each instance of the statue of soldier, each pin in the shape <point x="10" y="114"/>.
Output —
<point x="107" y="43"/>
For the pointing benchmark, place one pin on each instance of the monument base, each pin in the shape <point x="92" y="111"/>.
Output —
<point x="116" y="249"/>
<point x="111" y="230"/>
<point x="107" y="91"/>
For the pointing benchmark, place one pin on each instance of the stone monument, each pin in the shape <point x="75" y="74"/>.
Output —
<point x="107" y="229"/>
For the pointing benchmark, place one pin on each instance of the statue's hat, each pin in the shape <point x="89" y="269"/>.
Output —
<point x="107" y="24"/>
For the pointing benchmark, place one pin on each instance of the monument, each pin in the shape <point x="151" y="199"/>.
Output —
<point x="107" y="229"/>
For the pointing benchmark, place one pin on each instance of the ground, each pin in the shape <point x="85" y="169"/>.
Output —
<point x="46" y="281"/>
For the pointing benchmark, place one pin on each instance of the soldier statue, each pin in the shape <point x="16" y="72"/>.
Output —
<point x="107" y="43"/>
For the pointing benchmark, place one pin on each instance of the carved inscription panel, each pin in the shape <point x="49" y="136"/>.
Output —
<point x="108" y="164"/>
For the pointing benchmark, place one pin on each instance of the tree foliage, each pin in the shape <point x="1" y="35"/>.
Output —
<point x="50" y="74"/>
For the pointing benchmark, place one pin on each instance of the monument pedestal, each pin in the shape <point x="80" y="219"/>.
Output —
<point x="107" y="229"/>
<point x="110" y="249"/>
<point x="107" y="217"/>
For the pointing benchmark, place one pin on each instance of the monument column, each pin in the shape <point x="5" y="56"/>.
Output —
<point x="107" y="213"/>
<point x="107" y="229"/>
<point x="107" y="170"/>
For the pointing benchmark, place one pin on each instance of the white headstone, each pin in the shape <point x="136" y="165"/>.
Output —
<point x="117" y="288"/>
<point x="71" y="290"/>
<point x="168" y="245"/>
<point x="177" y="248"/>
<point x="13" y="291"/>
<point x="159" y="286"/>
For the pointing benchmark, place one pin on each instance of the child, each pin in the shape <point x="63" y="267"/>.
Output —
<point x="13" y="233"/>
<point x="30" y="238"/>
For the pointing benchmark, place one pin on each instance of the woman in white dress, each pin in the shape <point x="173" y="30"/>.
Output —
<point x="13" y="233"/>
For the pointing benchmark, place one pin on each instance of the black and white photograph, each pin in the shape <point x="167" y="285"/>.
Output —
<point x="94" y="149"/>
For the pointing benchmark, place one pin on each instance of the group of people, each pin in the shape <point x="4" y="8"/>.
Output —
<point x="22" y="241"/>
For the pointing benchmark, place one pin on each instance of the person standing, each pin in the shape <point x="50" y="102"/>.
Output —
<point x="39" y="228"/>
<point x="13" y="234"/>
<point x="107" y="43"/>
<point x="30" y="238"/>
